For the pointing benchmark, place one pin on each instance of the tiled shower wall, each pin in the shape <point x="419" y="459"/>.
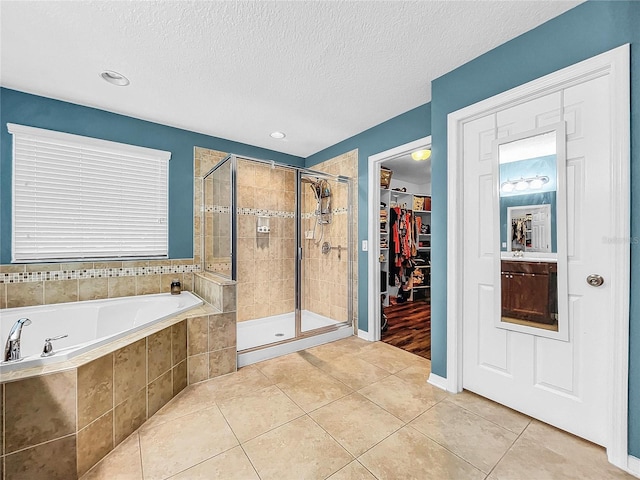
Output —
<point x="326" y="282"/>
<point x="266" y="262"/>
<point x="265" y="268"/>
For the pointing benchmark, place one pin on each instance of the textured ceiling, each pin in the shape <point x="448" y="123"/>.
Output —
<point x="320" y="71"/>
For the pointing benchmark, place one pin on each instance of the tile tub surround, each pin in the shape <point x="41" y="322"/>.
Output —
<point x="24" y="285"/>
<point x="212" y="346"/>
<point x="79" y="410"/>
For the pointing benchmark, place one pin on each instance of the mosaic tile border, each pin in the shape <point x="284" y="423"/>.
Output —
<point x="261" y="212"/>
<point x="56" y="275"/>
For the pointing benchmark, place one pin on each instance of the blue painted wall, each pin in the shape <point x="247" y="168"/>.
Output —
<point x="587" y="30"/>
<point x="402" y="129"/>
<point x="41" y="112"/>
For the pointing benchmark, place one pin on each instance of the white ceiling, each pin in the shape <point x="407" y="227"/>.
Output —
<point x="321" y="71"/>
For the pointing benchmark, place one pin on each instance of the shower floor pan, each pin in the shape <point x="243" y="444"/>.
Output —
<point x="263" y="331"/>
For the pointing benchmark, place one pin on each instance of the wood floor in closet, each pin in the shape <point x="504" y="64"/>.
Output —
<point x="409" y="327"/>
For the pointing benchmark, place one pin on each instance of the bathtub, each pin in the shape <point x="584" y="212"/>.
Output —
<point x="88" y="324"/>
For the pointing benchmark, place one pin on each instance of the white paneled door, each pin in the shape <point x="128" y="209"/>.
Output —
<point x="564" y="383"/>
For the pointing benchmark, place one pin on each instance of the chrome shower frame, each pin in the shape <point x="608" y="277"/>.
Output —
<point x="322" y="214"/>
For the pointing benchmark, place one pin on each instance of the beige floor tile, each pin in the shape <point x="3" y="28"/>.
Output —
<point x="590" y="459"/>
<point x="123" y="463"/>
<point x="299" y="449"/>
<point x="353" y="471"/>
<point x="191" y="399"/>
<point x="389" y="358"/>
<point x="417" y="373"/>
<point x="492" y="411"/>
<point x="257" y="412"/>
<point x="315" y="390"/>
<point x="286" y="368"/>
<point x="176" y="445"/>
<point x="245" y="380"/>
<point x="408" y="454"/>
<point x="356" y="423"/>
<point x="529" y="460"/>
<point x="353" y="371"/>
<point x="478" y="441"/>
<point x="230" y="465"/>
<point x="402" y="398"/>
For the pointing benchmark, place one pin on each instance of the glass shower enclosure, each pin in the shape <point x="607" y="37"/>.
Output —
<point x="284" y="234"/>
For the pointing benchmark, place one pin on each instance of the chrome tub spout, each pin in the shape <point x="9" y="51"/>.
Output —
<point x="12" y="348"/>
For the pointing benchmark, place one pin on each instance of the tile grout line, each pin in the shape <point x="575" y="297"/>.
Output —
<point x="508" y="449"/>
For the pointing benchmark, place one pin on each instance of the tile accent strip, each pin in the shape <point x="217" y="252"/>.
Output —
<point x="26" y="277"/>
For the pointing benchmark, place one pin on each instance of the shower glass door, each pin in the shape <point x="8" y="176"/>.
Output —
<point x="326" y="252"/>
<point x="265" y="253"/>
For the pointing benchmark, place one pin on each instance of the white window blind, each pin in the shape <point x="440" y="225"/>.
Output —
<point x="82" y="198"/>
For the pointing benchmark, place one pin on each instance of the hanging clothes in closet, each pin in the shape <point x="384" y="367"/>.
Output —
<point x="402" y="248"/>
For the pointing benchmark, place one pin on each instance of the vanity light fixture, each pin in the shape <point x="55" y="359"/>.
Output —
<point x="115" y="78"/>
<point x="278" y="135"/>
<point x="419" y="155"/>
<point x="532" y="183"/>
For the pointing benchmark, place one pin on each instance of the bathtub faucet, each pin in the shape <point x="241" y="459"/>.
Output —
<point x="12" y="348"/>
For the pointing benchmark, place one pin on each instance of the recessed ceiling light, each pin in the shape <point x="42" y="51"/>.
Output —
<point x="115" y="78"/>
<point x="278" y="135"/>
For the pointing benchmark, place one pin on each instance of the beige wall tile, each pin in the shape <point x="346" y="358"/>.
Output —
<point x="95" y="389"/>
<point x="42" y="267"/>
<point x="94" y="442"/>
<point x="107" y="264"/>
<point x="158" y="353"/>
<point x="178" y="342"/>
<point x="187" y="282"/>
<point x="25" y="294"/>
<point x="122" y="286"/>
<point x="228" y="298"/>
<point x="129" y="415"/>
<point x="197" y="335"/>
<point x="18" y="268"/>
<point x="222" y="362"/>
<point x="147" y="284"/>
<point x="222" y="331"/>
<point x="198" y="368"/>
<point x="56" y="459"/>
<point x="159" y="392"/>
<point x="76" y="266"/>
<point x="39" y="409"/>
<point x="3" y="297"/>
<point x="130" y="370"/>
<point x="179" y="377"/>
<point x="93" y="288"/>
<point x="60" y="291"/>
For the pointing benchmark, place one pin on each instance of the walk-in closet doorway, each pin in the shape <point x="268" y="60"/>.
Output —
<point x="400" y="246"/>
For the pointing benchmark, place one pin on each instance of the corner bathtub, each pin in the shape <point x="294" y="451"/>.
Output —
<point x="89" y="324"/>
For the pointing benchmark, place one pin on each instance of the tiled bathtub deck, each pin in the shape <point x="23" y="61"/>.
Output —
<point x="345" y="410"/>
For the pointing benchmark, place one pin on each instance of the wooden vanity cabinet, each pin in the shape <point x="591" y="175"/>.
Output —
<point x="529" y="291"/>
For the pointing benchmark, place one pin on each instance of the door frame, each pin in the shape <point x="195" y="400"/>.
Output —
<point x="616" y="64"/>
<point x="374" y="162"/>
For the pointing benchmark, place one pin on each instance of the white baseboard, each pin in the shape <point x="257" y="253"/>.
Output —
<point x="364" y="335"/>
<point x="633" y="466"/>
<point x="437" y="381"/>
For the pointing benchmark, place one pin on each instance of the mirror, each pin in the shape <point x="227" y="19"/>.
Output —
<point x="530" y="208"/>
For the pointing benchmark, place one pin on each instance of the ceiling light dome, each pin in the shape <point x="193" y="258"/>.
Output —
<point x="421" y="155"/>
<point x="115" y="78"/>
<point x="278" y="135"/>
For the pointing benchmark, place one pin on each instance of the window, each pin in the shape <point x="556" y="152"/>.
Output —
<point x="82" y="198"/>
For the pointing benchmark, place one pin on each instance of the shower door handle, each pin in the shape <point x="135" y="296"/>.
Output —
<point x="300" y="253"/>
